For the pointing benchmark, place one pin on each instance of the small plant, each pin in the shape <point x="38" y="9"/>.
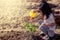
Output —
<point x="30" y="27"/>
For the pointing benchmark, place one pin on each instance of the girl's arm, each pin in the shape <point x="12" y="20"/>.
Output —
<point x="51" y="24"/>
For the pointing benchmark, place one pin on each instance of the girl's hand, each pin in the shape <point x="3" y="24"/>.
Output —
<point x="45" y="25"/>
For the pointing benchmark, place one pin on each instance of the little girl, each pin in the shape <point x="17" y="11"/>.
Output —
<point x="48" y="24"/>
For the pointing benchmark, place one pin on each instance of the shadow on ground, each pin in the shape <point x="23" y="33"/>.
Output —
<point x="57" y="37"/>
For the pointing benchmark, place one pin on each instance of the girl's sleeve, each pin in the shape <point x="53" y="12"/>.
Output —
<point x="52" y="19"/>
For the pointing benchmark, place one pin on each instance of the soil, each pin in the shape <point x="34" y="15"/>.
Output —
<point x="20" y="35"/>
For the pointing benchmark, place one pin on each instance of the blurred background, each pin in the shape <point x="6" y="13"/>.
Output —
<point x="13" y="13"/>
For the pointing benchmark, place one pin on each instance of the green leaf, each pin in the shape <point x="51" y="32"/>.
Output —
<point x="30" y="27"/>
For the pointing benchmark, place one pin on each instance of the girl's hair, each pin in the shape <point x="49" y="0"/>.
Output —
<point x="46" y="9"/>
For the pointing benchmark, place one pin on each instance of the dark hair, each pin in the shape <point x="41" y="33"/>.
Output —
<point x="46" y="9"/>
<point x="44" y="0"/>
